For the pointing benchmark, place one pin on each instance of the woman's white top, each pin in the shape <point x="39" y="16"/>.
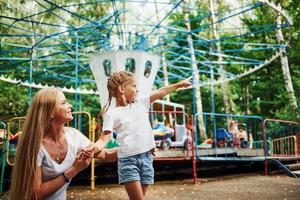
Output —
<point x="51" y="169"/>
<point x="132" y="125"/>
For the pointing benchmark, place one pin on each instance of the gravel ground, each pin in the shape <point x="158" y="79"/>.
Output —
<point x="234" y="187"/>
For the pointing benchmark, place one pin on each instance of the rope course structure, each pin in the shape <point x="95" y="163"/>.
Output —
<point x="50" y="42"/>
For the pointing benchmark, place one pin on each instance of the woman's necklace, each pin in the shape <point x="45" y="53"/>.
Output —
<point x="56" y="150"/>
<point x="58" y="155"/>
<point x="57" y="158"/>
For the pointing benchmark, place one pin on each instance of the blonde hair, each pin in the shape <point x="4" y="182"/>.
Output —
<point x="114" y="81"/>
<point x="233" y="128"/>
<point x="23" y="185"/>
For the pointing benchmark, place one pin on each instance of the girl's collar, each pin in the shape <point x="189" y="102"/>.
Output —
<point x="128" y="104"/>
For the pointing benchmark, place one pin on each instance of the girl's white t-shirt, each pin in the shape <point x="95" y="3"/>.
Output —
<point x="51" y="169"/>
<point x="132" y="125"/>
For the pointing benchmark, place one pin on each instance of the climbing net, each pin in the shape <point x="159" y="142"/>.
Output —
<point x="47" y="42"/>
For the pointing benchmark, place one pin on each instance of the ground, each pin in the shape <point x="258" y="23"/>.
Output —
<point x="233" y="187"/>
<point x="228" y="187"/>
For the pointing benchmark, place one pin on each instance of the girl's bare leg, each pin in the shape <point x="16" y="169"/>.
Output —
<point x="134" y="190"/>
<point x="144" y="187"/>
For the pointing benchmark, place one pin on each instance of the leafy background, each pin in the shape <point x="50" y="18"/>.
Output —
<point x="262" y="93"/>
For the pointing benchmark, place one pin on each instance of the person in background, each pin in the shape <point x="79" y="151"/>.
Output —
<point x="242" y="137"/>
<point x="233" y="128"/>
<point x="239" y="134"/>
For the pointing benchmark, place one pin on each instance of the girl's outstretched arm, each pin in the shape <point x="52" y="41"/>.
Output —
<point x="102" y="141"/>
<point x="158" y="94"/>
<point x="95" y="149"/>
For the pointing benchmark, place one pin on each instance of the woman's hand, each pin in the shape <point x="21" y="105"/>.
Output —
<point x="87" y="153"/>
<point x="79" y="164"/>
<point x="83" y="159"/>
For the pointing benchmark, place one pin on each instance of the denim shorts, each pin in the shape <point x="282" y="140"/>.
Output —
<point x="136" y="168"/>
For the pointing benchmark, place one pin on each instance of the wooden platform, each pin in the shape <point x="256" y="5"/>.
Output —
<point x="297" y="173"/>
<point x="250" y="152"/>
<point x="215" y="154"/>
<point x="211" y="152"/>
<point x="285" y="158"/>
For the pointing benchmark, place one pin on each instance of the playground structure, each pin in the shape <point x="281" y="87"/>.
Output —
<point x="169" y="123"/>
<point x="148" y="47"/>
<point x="141" y="64"/>
<point x="275" y="142"/>
<point x="64" y="52"/>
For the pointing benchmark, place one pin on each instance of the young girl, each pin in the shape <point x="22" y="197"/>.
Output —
<point x="233" y="128"/>
<point x="131" y="121"/>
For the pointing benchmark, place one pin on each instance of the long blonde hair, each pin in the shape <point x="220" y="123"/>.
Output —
<point x="37" y="121"/>
<point x="114" y="81"/>
<point x="233" y="127"/>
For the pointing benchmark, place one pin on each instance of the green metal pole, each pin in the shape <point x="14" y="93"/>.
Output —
<point x="3" y="156"/>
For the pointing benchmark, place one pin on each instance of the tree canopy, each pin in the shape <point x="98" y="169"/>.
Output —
<point x="49" y="42"/>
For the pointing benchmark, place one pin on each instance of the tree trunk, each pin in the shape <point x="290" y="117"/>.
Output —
<point x="166" y="77"/>
<point x="224" y="86"/>
<point x="200" y="120"/>
<point x="285" y="65"/>
<point x="246" y="100"/>
<point x="163" y="58"/>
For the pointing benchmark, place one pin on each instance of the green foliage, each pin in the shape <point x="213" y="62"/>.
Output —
<point x="261" y="93"/>
<point x="46" y="18"/>
<point x="14" y="101"/>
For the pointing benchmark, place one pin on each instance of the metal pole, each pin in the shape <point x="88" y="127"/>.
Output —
<point x="92" y="131"/>
<point x="76" y="81"/>
<point x="213" y="102"/>
<point x="3" y="156"/>
<point x="30" y="78"/>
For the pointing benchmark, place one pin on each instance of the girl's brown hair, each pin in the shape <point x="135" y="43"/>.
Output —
<point x="24" y="177"/>
<point x="114" y="81"/>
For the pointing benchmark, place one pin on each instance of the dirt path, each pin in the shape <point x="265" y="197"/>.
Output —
<point x="233" y="187"/>
<point x="246" y="187"/>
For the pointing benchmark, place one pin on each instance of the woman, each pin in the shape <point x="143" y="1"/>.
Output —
<point x="233" y="128"/>
<point x="49" y="154"/>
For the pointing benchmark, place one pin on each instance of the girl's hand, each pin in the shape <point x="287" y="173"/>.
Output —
<point x="87" y="153"/>
<point x="185" y="83"/>
<point x="153" y="151"/>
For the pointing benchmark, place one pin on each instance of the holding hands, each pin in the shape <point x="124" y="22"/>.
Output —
<point x="86" y="153"/>
<point x="82" y="161"/>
